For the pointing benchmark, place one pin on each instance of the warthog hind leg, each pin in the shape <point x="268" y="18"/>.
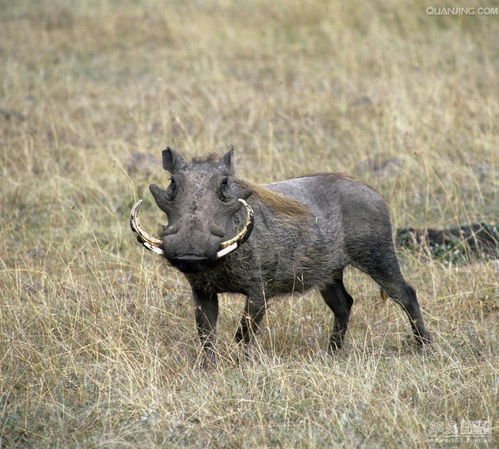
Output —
<point x="384" y="268"/>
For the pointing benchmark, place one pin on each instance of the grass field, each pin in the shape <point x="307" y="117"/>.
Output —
<point x="98" y="346"/>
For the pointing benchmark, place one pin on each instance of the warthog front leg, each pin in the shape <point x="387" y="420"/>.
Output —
<point x="206" y="313"/>
<point x="254" y="311"/>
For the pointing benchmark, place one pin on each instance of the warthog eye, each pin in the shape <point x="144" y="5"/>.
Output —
<point x="224" y="189"/>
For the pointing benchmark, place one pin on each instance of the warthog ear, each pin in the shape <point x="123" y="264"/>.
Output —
<point x="171" y="159"/>
<point x="227" y="160"/>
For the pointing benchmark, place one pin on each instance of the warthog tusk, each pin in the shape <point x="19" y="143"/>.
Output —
<point x="151" y="243"/>
<point x="230" y="245"/>
<point x="225" y="251"/>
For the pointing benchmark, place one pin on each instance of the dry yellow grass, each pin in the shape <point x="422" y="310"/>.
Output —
<point x="97" y="340"/>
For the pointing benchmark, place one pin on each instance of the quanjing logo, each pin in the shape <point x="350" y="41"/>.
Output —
<point x="460" y="11"/>
<point x="464" y="431"/>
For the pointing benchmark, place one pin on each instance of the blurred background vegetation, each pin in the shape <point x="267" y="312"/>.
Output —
<point x="97" y="338"/>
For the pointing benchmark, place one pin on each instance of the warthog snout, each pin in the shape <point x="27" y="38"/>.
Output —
<point x="191" y="253"/>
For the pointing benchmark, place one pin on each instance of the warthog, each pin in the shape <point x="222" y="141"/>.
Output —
<point x="227" y="234"/>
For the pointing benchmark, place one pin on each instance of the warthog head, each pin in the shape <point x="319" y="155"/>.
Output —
<point x="201" y="203"/>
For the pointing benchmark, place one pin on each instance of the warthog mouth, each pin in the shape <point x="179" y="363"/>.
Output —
<point x="226" y="247"/>
<point x="189" y="263"/>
